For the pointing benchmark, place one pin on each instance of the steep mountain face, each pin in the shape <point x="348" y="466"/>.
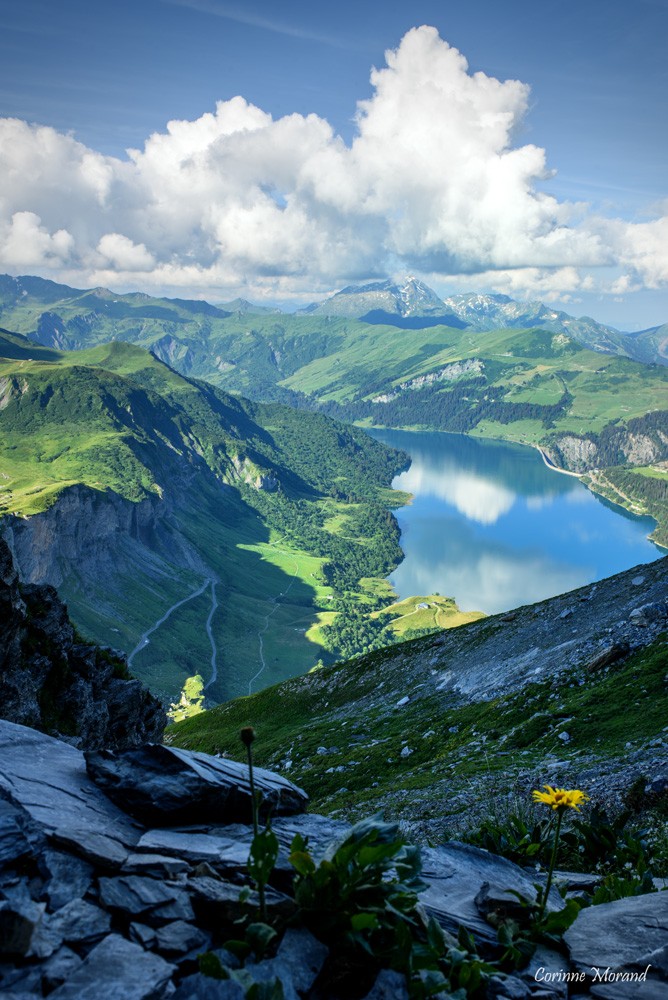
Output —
<point x="570" y="691"/>
<point x="650" y="346"/>
<point x="409" y="303"/>
<point x="53" y="681"/>
<point x="151" y="499"/>
<point x="494" y="312"/>
<point x="385" y="301"/>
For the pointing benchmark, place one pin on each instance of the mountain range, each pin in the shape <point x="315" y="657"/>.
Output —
<point x="60" y="316"/>
<point x="412" y="304"/>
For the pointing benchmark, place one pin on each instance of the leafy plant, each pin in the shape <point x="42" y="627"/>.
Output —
<point x="607" y="843"/>
<point x="363" y="897"/>
<point x="534" y="925"/>
<point x="517" y="836"/>
<point x="363" y="890"/>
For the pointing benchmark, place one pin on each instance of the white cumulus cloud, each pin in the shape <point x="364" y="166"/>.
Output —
<point x="433" y="181"/>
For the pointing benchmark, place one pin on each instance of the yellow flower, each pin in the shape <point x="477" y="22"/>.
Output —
<point x="561" y="798"/>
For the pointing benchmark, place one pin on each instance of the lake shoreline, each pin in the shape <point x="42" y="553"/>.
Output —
<point x="488" y="524"/>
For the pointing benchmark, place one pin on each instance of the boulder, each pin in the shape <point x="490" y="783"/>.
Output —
<point x="117" y="970"/>
<point x="164" y="785"/>
<point x="621" y="937"/>
<point x="457" y="874"/>
<point x="609" y="654"/>
<point x="47" y="779"/>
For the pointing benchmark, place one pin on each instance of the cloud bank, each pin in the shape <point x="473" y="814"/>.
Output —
<point x="432" y="182"/>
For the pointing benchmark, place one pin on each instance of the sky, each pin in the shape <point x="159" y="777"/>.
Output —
<point x="209" y="149"/>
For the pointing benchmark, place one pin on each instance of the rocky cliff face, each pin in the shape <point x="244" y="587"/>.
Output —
<point x="54" y="682"/>
<point x="94" y="532"/>
<point x="643" y="441"/>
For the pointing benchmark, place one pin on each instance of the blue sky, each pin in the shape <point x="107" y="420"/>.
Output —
<point x="272" y="214"/>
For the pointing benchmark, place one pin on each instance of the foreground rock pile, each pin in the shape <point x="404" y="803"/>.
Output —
<point x="53" y="681"/>
<point x="117" y="899"/>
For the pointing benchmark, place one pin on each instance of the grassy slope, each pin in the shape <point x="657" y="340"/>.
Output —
<point x="453" y="741"/>
<point x="113" y="418"/>
<point x="429" y="613"/>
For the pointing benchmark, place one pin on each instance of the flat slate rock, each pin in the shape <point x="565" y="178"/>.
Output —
<point x="14" y="842"/>
<point x="455" y="874"/>
<point x="199" y="987"/>
<point x="69" y="878"/>
<point x="179" y="938"/>
<point x="619" y="935"/>
<point x="389" y="985"/>
<point x="231" y="843"/>
<point x="48" y="779"/>
<point x="304" y="955"/>
<point x="150" y="898"/>
<point x="80" y="922"/>
<point x="650" y="990"/>
<point x="164" y="785"/>
<point x="117" y="970"/>
<point x="104" y="851"/>
<point x="196" y="847"/>
<point x="59" y="967"/>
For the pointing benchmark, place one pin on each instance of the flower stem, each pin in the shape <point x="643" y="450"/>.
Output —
<point x="252" y="789"/>
<point x="553" y="861"/>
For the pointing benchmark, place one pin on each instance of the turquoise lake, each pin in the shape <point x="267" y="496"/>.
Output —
<point x="492" y="526"/>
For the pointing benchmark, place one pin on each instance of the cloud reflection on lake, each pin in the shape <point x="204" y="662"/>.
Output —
<point x="493" y="527"/>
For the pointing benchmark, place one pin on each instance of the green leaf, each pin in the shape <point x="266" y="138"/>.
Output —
<point x="271" y="990"/>
<point x="364" y="922"/>
<point x="433" y="982"/>
<point x="557" y="921"/>
<point x="263" y="855"/>
<point x="259" y="936"/>
<point x="302" y="862"/>
<point x="239" y="948"/>
<point x="210" y="965"/>
<point x="298" y="844"/>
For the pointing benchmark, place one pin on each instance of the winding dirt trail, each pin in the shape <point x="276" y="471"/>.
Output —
<point x="261" y="632"/>
<point x="144" y="640"/>
<point x="209" y="632"/>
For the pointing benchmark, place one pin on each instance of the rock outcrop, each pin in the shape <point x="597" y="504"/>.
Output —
<point x="160" y="784"/>
<point x="94" y="903"/>
<point x="53" y="681"/>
